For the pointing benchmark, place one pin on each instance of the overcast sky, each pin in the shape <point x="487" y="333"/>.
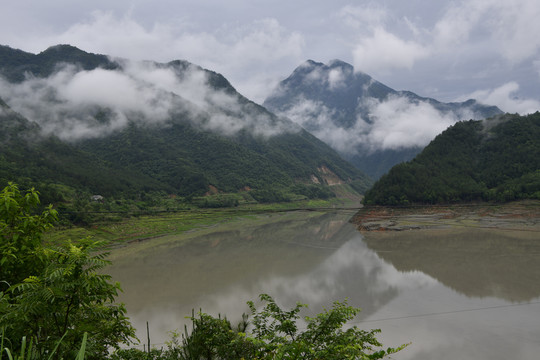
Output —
<point x="448" y="50"/>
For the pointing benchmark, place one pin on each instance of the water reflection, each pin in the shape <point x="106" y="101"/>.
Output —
<point x="413" y="290"/>
<point x="475" y="262"/>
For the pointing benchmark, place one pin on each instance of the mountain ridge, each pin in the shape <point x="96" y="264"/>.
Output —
<point x="344" y="108"/>
<point x="183" y="131"/>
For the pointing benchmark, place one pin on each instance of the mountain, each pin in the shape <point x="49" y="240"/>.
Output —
<point x="47" y="163"/>
<point x="493" y="159"/>
<point x="370" y="124"/>
<point x="112" y="126"/>
<point x="16" y="64"/>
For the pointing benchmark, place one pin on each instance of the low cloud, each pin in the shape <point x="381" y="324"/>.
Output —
<point x="504" y="96"/>
<point x="235" y="51"/>
<point x="394" y="123"/>
<point x="399" y="123"/>
<point x="75" y="104"/>
<point x="336" y="79"/>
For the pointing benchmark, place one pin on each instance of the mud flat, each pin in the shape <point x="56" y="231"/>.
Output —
<point x="518" y="216"/>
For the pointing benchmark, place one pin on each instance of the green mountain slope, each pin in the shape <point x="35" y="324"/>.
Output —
<point x="16" y="64"/>
<point x="494" y="159"/>
<point x="185" y="135"/>
<point x="31" y="159"/>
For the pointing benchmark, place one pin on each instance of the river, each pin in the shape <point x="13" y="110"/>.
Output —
<point x="453" y="294"/>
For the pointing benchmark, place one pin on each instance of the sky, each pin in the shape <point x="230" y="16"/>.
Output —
<point x="448" y="50"/>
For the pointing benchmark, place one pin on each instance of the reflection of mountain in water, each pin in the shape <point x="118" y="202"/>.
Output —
<point x="474" y="262"/>
<point x="308" y="257"/>
<point x="316" y="260"/>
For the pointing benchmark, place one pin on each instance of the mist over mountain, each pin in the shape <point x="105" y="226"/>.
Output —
<point x="171" y="127"/>
<point x="370" y="124"/>
<point x="63" y="88"/>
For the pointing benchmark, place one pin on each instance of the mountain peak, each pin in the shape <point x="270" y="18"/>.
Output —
<point x="336" y="63"/>
<point x="348" y="108"/>
<point x="63" y="48"/>
<point x="311" y="65"/>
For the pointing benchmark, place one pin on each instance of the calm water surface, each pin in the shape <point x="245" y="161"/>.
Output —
<point x="455" y="294"/>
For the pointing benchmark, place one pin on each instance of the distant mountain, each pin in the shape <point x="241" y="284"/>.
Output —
<point x="16" y="64"/>
<point x="111" y="127"/>
<point x="370" y="124"/>
<point x="496" y="159"/>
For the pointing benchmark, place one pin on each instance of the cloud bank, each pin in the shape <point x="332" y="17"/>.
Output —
<point x="504" y="95"/>
<point x="75" y="104"/>
<point x="238" y="51"/>
<point x="394" y="123"/>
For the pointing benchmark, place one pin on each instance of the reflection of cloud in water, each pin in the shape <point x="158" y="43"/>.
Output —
<point x="474" y="262"/>
<point x="353" y="272"/>
<point x="454" y="326"/>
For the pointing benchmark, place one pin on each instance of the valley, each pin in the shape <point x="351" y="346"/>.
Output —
<point x="161" y="176"/>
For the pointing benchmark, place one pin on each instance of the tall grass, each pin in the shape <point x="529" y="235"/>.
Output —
<point x="29" y="352"/>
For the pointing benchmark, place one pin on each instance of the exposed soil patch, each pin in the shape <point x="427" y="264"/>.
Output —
<point x="519" y="216"/>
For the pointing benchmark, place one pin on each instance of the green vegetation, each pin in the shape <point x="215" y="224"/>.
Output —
<point x="53" y="295"/>
<point x="117" y="227"/>
<point x="275" y="334"/>
<point x="145" y="161"/>
<point x="29" y="352"/>
<point x="16" y="63"/>
<point x="497" y="159"/>
<point x="56" y="297"/>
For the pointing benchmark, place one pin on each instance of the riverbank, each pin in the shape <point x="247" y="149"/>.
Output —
<point x="149" y="226"/>
<point x="517" y="216"/>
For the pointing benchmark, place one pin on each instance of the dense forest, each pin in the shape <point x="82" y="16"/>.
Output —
<point x="178" y="156"/>
<point x="496" y="159"/>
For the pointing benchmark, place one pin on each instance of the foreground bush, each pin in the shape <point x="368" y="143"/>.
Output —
<point x="274" y="334"/>
<point x="52" y="295"/>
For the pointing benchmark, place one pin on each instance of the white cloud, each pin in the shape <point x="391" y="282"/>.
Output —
<point x="74" y="104"/>
<point x="385" y="51"/>
<point x="455" y="27"/>
<point x="504" y="97"/>
<point x="394" y="123"/>
<point x="509" y="28"/>
<point x="362" y="17"/>
<point x="234" y="51"/>
<point x="400" y="123"/>
<point x="336" y="78"/>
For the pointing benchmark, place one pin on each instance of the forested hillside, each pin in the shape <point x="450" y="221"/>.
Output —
<point x="72" y="121"/>
<point x="497" y="159"/>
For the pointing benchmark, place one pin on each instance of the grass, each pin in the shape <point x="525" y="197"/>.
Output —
<point x="169" y="223"/>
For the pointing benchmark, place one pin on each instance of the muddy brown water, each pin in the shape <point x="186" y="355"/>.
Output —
<point x="455" y="293"/>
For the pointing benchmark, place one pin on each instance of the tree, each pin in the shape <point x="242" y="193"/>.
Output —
<point x="276" y="334"/>
<point x="21" y="229"/>
<point x="325" y="336"/>
<point x="55" y="292"/>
